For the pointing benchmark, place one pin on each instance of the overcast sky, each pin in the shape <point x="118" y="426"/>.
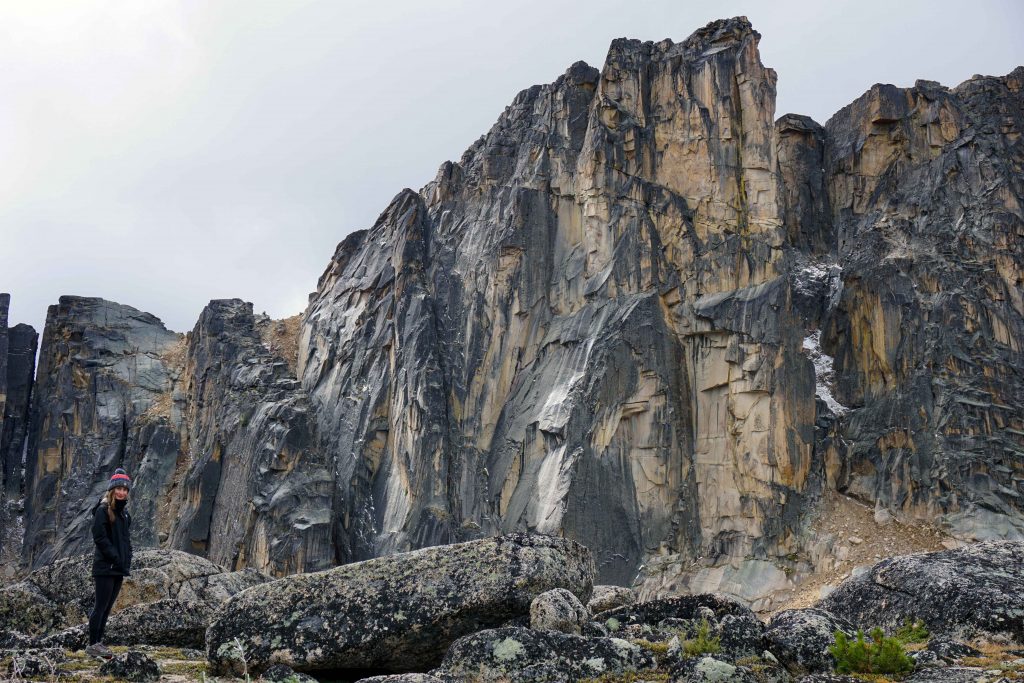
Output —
<point x="162" y="154"/>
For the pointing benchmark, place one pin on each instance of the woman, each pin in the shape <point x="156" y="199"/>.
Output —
<point x="113" y="559"/>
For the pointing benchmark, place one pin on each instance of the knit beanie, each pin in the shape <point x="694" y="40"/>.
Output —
<point x="120" y="478"/>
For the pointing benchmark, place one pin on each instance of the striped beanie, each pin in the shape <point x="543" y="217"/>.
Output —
<point x="120" y="478"/>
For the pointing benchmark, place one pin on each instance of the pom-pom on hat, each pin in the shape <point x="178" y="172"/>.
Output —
<point x="120" y="478"/>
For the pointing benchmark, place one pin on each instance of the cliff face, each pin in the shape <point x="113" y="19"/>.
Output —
<point x="101" y="368"/>
<point x="638" y="312"/>
<point x="575" y="329"/>
<point x="926" y="186"/>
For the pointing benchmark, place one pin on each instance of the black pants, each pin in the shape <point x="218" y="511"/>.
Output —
<point x="107" y="588"/>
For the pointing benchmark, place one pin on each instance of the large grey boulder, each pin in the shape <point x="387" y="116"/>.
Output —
<point x="610" y="597"/>
<point x="558" y="610"/>
<point x="397" y="613"/>
<point x="177" y="623"/>
<point x="800" y="638"/>
<point x="973" y="591"/>
<point x="519" y="655"/>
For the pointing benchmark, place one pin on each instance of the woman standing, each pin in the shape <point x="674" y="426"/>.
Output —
<point x="113" y="559"/>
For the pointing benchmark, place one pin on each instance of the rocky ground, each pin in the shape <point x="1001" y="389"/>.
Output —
<point x="513" y="609"/>
<point x="861" y="540"/>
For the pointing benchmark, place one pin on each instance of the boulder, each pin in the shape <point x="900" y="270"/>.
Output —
<point x="131" y="666"/>
<point x="708" y="669"/>
<point x="14" y="640"/>
<point x="610" y="597"/>
<point x="280" y="673"/>
<point x="687" y="607"/>
<point x="73" y="638"/>
<point x="950" y="650"/>
<point x="558" y="610"/>
<point x="397" y="613"/>
<point x="61" y="594"/>
<point x="36" y="663"/>
<point x="951" y="674"/>
<point x="800" y="638"/>
<point x="518" y="655"/>
<point x="24" y="608"/>
<point x="740" y="635"/>
<point x="973" y="591"/>
<point x="177" y="623"/>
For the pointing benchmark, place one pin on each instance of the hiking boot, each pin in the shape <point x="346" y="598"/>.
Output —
<point x="99" y="650"/>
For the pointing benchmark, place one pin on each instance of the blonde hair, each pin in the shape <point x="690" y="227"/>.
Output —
<point x="108" y="500"/>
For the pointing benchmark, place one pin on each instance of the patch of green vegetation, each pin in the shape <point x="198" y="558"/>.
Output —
<point x="703" y="643"/>
<point x="194" y="669"/>
<point x="631" y="677"/>
<point x="912" y="631"/>
<point x="657" y="648"/>
<point x="878" y="654"/>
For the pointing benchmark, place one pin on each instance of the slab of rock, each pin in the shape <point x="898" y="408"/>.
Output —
<point x="280" y="673"/>
<point x="800" y="638"/>
<point x="518" y="655"/>
<point x="558" y="610"/>
<point x="131" y="666"/>
<point x="177" y="623"/>
<point x="709" y="669"/>
<point x="950" y="650"/>
<point x="974" y="591"/>
<point x="610" y="597"/>
<point x="397" y="613"/>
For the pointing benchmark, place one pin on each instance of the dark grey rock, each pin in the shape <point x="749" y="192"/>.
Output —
<point x="926" y="658"/>
<point x="740" y="635"/>
<point x="950" y="650"/>
<point x="397" y="613"/>
<point x="974" y="591"/>
<point x="36" y="662"/>
<point x="558" y="610"/>
<point x="684" y="607"/>
<point x="519" y="655"/>
<point x="950" y="674"/>
<point x="800" y="638"/>
<point x="280" y="673"/>
<point x="73" y="638"/>
<point x="131" y="666"/>
<point x="14" y="640"/>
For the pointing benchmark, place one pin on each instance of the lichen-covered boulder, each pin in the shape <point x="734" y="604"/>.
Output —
<point x="800" y="638"/>
<point x="610" y="597"/>
<point x="688" y="607"/>
<point x="740" y="635"/>
<point x="973" y="591"/>
<point x="950" y="650"/>
<point x="24" y="608"/>
<point x="953" y="674"/>
<point x="177" y="623"/>
<point x="131" y="666"/>
<point x="281" y="673"/>
<point x="558" y="610"/>
<point x="73" y="638"/>
<point x="398" y="613"/>
<point x="61" y="594"/>
<point x="519" y="655"/>
<point x="708" y="669"/>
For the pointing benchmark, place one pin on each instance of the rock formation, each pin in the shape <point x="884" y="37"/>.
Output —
<point x="639" y="312"/>
<point x="17" y="372"/>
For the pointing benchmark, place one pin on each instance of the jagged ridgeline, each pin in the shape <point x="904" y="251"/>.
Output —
<point x="609" y="320"/>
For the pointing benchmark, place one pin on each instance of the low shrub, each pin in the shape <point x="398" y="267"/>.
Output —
<point x="912" y="631"/>
<point x="879" y="654"/>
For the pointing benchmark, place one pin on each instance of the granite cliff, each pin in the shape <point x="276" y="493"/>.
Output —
<point x="640" y="312"/>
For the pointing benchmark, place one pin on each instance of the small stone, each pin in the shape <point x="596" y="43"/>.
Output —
<point x="883" y="517"/>
<point x="855" y="540"/>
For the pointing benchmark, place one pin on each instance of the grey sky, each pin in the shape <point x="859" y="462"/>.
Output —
<point x="162" y="154"/>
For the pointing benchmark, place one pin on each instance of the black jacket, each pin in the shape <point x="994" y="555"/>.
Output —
<point x="113" y="555"/>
